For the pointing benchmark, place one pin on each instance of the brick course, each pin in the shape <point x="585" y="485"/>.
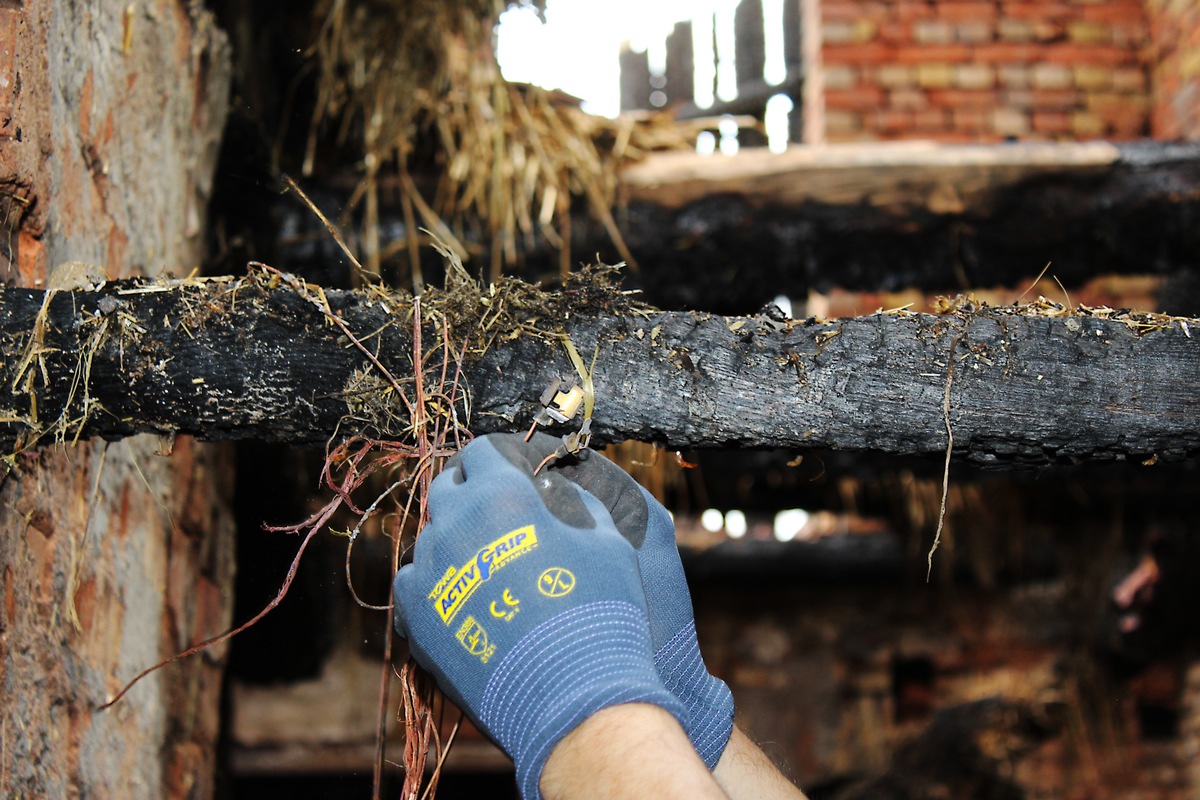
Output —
<point x="1174" y="27"/>
<point x="986" y="70"/>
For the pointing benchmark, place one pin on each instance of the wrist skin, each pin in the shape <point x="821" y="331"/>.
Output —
<point x="745" y="772"/>
<point x="628" y="752"/>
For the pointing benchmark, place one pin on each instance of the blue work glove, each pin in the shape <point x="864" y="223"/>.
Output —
<point x="524" y="603"/>
<point x="648" y="526"/>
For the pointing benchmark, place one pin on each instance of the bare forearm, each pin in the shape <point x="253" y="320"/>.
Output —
<point x="628" y="752"/>
<point x="746" y="773"/>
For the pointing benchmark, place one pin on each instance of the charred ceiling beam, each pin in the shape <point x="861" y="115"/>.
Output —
<point x="270" y="358"/>
<point x="724" y="233"/>
<point x="728" y="234"/>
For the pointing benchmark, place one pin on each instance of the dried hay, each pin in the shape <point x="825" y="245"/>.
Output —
<point x="418" y="82"/>
<point x="1140" y="322"/>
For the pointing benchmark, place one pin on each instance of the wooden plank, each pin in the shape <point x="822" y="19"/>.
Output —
<point x="791" y="34"/>
<point x="897" y="175"/>
<point x="635" y="80"/>
<point x="795" y="66"/>
<point x="750" y="57"/>
<point x="749" y="46"/>
<point x="730" y="233"/>
<point x="681" y="65"/>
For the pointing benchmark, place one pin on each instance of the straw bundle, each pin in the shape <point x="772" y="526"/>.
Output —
<point x="418" y="82"/>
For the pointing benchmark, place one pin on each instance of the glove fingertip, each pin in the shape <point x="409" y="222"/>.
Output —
<point x="526" y="455"/>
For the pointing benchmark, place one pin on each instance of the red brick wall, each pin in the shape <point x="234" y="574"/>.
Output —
<point x="984" y="70"/>
<point x="1175" y="50"/>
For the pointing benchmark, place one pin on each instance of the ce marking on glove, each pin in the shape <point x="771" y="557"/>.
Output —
<point x="511" y="606"/>
<point x="556" y="582"/>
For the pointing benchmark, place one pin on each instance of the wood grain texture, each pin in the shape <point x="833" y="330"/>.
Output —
<point x="110" y="557"/>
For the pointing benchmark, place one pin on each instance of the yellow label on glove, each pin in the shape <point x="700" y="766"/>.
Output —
<point x="474" y="638"/>
<point x="458" y="584"/>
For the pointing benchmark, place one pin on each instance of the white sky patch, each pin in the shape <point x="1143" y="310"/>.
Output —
<point x="775" y="120"/>
<point x="578" y="48"/>
<point x="727" y="76"/>
<point x="774" y="64"/>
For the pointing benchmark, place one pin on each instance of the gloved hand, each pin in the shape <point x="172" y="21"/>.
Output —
<point x="524" y="603"/>
<point x="648" y="526"/>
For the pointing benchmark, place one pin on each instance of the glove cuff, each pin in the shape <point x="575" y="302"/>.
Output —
<point x="571" y="666"/>
<point x="707" y="699"/>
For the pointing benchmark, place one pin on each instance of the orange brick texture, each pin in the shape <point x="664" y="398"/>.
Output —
<point x="990" y="70"/>
<point x="1175" y="49"/>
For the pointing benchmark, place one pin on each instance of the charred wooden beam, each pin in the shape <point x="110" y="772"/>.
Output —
<point x="259" y="357"/>
<point x="726" y="233"/>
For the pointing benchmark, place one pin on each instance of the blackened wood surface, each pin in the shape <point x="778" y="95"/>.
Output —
<point x="233" y="359"/>
<point x="727" y="234"/>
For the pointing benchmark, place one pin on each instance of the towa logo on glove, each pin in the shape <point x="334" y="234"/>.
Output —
<point x="457" y="585"/>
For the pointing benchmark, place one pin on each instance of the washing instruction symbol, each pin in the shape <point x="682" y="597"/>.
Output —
<point x="556" y="582"/>
<point x="512" y="606"/>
